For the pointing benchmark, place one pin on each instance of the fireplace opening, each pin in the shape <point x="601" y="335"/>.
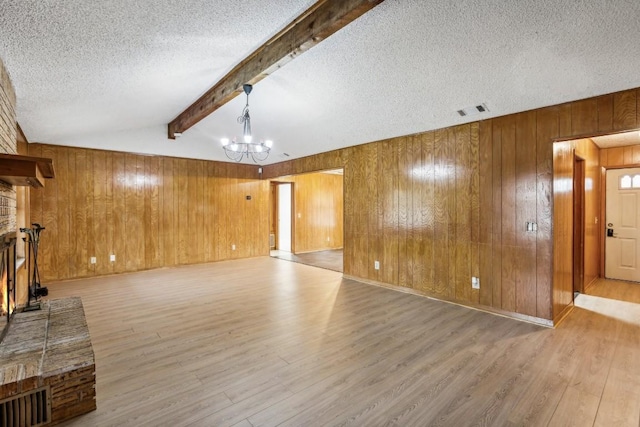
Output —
<point x="8" y="281"/>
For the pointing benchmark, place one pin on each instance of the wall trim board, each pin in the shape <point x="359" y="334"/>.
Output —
<point x="630" y="165"/>
<point x="593" y="282"/>
<point x="589" y="135"/>
<point x="319" y="250"/>
<point x="563" y="314"/>
<point x="515" y="316"/>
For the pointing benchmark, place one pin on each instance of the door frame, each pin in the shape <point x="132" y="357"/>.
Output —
<point x="579" y="176"/>
<point x="274" y="205"/>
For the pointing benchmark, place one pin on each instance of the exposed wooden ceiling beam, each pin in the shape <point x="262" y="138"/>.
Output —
<point x="314" y="25"/>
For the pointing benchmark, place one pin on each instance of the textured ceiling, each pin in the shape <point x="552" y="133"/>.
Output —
<point x="617" y="140"/>
<point x="112" y="74"/>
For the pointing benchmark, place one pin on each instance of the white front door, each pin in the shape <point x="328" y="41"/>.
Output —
<point x="622" y="246"/>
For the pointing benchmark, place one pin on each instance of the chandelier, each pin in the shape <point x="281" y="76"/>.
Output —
<point x="237" y="150"/>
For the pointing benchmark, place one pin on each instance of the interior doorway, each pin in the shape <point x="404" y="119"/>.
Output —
<point x="316" y="215"/>
<point x="281" y="217"/>
<point x="285" y="224"/>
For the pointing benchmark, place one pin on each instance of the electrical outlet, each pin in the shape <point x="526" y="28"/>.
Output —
<point x="328" y="239"/>
<point x="376" y="265"/>
<point x="93" y="260"/>
<point x="475" y="283"/>
<point x="112" y="258"/>
<point x="233" y="247"/>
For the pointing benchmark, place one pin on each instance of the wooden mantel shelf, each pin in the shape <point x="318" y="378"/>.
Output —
<point x="25" y="170"/>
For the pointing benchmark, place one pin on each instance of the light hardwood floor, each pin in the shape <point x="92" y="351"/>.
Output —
<point x="269" y="342"/>
<point x="330" y="259"/>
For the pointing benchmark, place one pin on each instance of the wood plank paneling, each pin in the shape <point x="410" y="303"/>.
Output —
<point x="152" y="185"/>
<point x="167" y="234"/>
<point x="370" y="201"/>
<point x="615" y="156"/>
<point x="620" y="156"/>
<point x="564" y="120"/>
<point x="48" y="258"/>
<point x="474" y="195"/>
<point x="424" y="218"/>
<point x="441" y="205"/>
<point x="104" y="203"/>
<point x="450" y="200"/>
<point x="463" y="212"/>
<point x="624" y="110"/>
<point x="182" y="212"/>
<point x="210" y="231"/>
<point x="627" y="155"/>
<point x="405" y="242"/>
<point x="120" y="190"/>
<point x="79" y="210"/>
<point x="584" y="117"/>
<point x="134" y="211"/>
<point x="388" y="184"/>
<point x="87" y="184"/>
<point x="99" y="214"/>
<point x="190" y="231"/>
<point x="418" y="182"/>
<point x="508" y="219"/>
<point x="547" y="128"/>
<point x="485" y="232"/>
<point x="199" y="211"/>
<point x="64" y="233"/>
<point x="526" y="180"/>
<point x="496" y="235"/>
<point x="605" y="113"/>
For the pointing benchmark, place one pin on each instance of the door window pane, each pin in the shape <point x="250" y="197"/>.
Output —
<point x="625" y="182"/>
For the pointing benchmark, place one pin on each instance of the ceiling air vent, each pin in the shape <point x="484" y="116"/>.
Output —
<point x="470" y="111"/>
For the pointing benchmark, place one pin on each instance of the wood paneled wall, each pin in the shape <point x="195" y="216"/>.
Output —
<point x="434" y="208"/>
<point x="149" y="211"/>
<point x="439" y="207"/>
<point x="620" y="156"/>
<point x="318" y="211"/>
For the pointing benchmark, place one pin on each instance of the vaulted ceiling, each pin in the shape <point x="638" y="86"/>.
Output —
<point x="113" y="74"/>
